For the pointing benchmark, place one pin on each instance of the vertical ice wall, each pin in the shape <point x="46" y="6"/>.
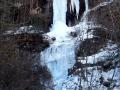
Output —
<point x="59" y="10"/>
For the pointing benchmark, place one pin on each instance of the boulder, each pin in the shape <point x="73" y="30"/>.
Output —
<point x="89" y="47"/>
<point x="18" y="67"/>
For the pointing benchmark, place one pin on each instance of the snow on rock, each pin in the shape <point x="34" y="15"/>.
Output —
<point x="24" y="29"/>
<point x="103" y="54"/>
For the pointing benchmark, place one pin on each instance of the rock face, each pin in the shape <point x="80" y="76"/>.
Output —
<point x="31" y="42"/>
<point x="106" y="14"/>
<point x="93" y="3"/>
<point x="28" y="12"/>
<point x="38" y="13"/>
<point x="29" y="38"/>
<point x="20" y="67"/>
<point x="90" y="46"/>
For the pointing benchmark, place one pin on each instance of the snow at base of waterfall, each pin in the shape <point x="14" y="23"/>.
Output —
<point x="61" y="32"/>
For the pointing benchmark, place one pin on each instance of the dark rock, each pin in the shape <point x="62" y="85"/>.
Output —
<point x="91" y="46"/>
<point x="37" y="13"/>
<point x="109" y="83"/>
<point x="53" y="38"/>
<point x="101" y="32"/>
<point x="18" y="67"/>
<point x="39" y="71"/>
<point x="73" y="34"/>
<point x="107" y="34"/>
<point x="107" y="66"/>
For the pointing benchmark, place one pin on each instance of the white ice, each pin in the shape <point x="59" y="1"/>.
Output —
<point x="75" y="5"/>
<point x="59" y="10"/>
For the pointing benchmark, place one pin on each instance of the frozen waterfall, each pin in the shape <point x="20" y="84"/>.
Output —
<point x="60" y="56"/>
<point x="59" y="8"/>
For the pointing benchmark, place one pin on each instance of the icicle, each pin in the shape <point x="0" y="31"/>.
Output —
<point x="75" y="4"/>
<point x="86" y="5"/>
